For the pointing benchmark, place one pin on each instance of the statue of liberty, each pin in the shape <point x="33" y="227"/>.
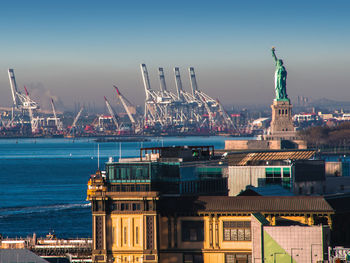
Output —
<point x="280" y="78"/>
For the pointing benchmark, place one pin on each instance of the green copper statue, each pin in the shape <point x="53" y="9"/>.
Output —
<point x="280" y="78"/>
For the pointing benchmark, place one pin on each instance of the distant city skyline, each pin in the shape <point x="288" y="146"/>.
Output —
<point x="76" y="50"/>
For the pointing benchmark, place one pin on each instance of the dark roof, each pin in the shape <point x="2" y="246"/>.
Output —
<point x="268" y="190"/>
<point x="19" y="255"/>
<point x="248" y="204"/>
<point x="339" y="202"/>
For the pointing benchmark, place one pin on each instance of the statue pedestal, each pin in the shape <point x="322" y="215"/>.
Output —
<point x="282" y="134"/>
<point x="282" y="123"/>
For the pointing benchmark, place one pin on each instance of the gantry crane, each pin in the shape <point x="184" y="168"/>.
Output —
<point x="33" y="121"/>
<point x="20" y="101"/>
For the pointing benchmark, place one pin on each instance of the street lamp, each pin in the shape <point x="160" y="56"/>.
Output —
<point x="291" y="253"/>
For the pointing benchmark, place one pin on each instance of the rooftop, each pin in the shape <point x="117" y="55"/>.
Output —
<point x="19" y="255"/>
<point x="252" y="157"/>
<point x="248" y="204"/>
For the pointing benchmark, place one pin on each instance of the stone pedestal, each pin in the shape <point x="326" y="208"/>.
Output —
<point x="282" y="121"/>
<point x="281" y="136"/>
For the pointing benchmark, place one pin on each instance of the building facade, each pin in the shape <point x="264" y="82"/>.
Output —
<point x="177" y="210"/>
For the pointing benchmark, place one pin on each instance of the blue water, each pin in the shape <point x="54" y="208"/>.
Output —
<point x="43" y="181"/>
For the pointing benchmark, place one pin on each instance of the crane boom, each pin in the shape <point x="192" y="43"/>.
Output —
<point x="57" y="123"/>
<point x="112" y="113"/>
<point x="20" y="101"/>
<point x="162" y="80"/>
<point x="33" y="124"/>
<point x="121" y="97"/>
<point x="225" y="116"/>
<point x="178" y="84"/>
<point x="13" y="85"/>
<point x="194" y="86"/>
<point x="76" y="119"/>
<point x="146" y="81"/>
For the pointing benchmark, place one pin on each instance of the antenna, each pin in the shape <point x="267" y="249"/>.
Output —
<point x="120" y="150"/>
<point x="98" y="157"/>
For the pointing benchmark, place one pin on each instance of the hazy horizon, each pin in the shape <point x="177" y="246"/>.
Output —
<point x="75" y="51"/>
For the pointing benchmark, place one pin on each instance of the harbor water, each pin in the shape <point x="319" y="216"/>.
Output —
<point x="43" y="181"/>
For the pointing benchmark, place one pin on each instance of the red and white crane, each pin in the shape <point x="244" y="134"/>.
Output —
<point x="122" y="100"/>
<point x="19" y="100"/>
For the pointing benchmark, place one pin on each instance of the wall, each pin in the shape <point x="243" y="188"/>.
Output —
<point x="273" y="144"/>
<point x="283" y="244"/>
<point x="241" y="176"/>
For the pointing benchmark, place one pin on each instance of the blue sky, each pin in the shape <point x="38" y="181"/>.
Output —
<point x="76" y="50"/>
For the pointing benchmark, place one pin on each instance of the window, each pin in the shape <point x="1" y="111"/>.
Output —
<point x="273" y="175"/>
<point x="136" y="207"/>
<point x="238" y="258"/>
<point x="192" y="231"/>
<point x="125" y="240"/>
<point x="236" y="231"/>
<point x="286" y="172"/>
<point x="193" y="258"/>
<point x="124" y="206"/>
<point x="137" y="235"/>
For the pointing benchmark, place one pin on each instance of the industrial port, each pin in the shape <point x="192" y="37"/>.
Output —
<point x="182" y="112"/>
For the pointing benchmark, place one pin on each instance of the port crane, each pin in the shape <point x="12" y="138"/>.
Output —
<point x="110" y="110"/>
<point x="182" y="110"/>
<point x="20" y="101"/>
<point x="75" y="122"/>
<point x="33" y="121"/>
<point x="122" y="100"/>
<point x="58" y="123"/>
<point x="228" y="121"/>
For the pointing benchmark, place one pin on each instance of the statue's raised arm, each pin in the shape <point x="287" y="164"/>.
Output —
<point x="273" y="54"/>
<point x="280" y="78"/>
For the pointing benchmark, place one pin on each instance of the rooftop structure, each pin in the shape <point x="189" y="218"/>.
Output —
<point x="19" y="255"/>
<point x="168" y="170"/>
<point x="170" y="205"/>
<point x="293" y="170"/>
<point x="257" y="157"/>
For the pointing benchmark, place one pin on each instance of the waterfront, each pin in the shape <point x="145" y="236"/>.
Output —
<point x="43" y="181"/>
